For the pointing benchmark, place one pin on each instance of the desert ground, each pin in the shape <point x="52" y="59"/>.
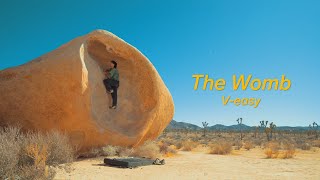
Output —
<point x="198" y="164"/>
<point x="188" y="155"/>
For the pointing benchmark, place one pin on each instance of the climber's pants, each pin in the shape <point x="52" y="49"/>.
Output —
<point x="112" y="84"/>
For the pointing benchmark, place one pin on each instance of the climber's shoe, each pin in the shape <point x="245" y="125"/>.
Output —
<point x="162" y="162"/>
<point x="159" y="162"/>
<point x="112" y="107"/>
<point x="156" y="162"/>
<point x="111" y="91"/>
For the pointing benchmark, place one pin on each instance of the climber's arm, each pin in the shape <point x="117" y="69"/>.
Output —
<point x="107" y="73"/>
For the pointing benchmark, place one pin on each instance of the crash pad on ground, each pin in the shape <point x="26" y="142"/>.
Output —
<point x="130" y="162"/>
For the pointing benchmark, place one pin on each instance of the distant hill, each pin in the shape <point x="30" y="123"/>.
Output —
<point x="183" y="125"/>
<point x="232" y="127"/>
<point x="297" y="128"/>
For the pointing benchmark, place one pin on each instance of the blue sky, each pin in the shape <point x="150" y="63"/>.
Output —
<point x="181" y="38"/>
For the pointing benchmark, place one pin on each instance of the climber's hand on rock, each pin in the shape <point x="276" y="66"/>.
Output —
<point x="106" y="73"/>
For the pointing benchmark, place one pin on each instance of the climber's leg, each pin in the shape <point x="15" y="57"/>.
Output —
<point x="114" y="96"/>
<point x="107" y="83"/>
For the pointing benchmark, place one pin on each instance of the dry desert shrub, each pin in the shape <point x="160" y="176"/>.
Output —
<point x="125" y="152"/>
<point x="220" y="147"/>
<point x="316" y="143"/>
<point x="168" y="141"/>
<point x="304" y="146"/>
<point x="9" y="152"/>
<point x="107" y="150"/>
<point x="149" y="149"/>
<point x="32" y="155"/>
<point x="92" y="153"/>
<point x="59" y="149"/>
<point x="110" y="150"/>
<point x="178" y="144"/>
<point x="32" y="172"/>
<point x="248" y="145"/>
<point x="189" y="145"/>
<point x="257" y="142"/>
<point x="284" y="150"/>
<point x="237" y="144"/>
<point x="167" y="149"/>
<point x="272" y="149"/>
<point x="58" y="146"/>
<point x="38" y="154"/>
<point x="288" y="151"/>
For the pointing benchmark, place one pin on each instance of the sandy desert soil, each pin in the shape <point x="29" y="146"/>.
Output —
<point x="198" y="164"/>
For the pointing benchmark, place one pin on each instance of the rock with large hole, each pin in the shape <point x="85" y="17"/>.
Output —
<point x="63" y="90"/>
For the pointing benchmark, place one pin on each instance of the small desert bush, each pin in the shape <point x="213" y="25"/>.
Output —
<point x="149" y="149"/>
<point x="92" y="153"/>
<point x="283" y="150"/>
<point x="316" y="143"/>
<point x="168" y="141"/>
<point x="288" y="151"/>
<point x="257" y="142"/>
<point x="304" y="146"/>
<point x="248" y="145"/>
<point x="178" y="144"/>
<point x="33" y="172"/>
<point x="220" y="147"/>
<point x="110" y="150"/>
<point x="125" y="152"/>
<point x="107" y="150"/>
<point x="272" y="149"/>
<point x="9" y="152"/>
<point x="167" y="149"/>
<point x="237" y="145"/>
<point x="31" y="155"/>
<point x="189" y="145"/>
<point x="60" y="149"/>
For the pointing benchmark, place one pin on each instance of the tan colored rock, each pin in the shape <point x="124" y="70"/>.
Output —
<point x="64" y="90"/>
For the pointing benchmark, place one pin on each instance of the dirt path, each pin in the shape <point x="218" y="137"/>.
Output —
<point x="199" y="165"/>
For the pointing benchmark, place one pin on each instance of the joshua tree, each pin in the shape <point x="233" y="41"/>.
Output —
<point x="272" y="129"/>
<point x="313" y="129"/>
<point x="205" y="125"/>
<point x="263" y="124"/>
<point x="268" y="130"/>
<point x="239" y="120"/>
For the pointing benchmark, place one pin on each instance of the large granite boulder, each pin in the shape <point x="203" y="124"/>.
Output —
<point x="63" y="90"/>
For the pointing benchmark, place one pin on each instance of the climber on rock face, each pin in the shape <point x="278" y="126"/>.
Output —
<point x="111" y="82"/>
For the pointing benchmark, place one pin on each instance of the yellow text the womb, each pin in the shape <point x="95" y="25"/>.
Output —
<point x="243" y="83"/>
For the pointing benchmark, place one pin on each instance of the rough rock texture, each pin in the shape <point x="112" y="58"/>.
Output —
<point x="63" y="90"/>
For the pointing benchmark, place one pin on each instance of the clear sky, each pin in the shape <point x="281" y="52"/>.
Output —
<point x="181" y="38"/>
